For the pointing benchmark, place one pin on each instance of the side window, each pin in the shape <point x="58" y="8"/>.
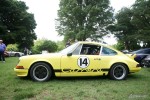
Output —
<point x="77" y="50"/>
<point x="90" y="49"/>
<point x="107" y="51"/>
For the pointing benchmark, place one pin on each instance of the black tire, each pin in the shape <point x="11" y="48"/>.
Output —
<point x="118" y="71"/>
<point x="41" y="72"/>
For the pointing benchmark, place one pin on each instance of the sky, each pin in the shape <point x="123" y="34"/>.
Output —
<point x="45" y="13"/>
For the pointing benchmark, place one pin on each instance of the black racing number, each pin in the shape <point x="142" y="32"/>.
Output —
<point x="83" y="61"/>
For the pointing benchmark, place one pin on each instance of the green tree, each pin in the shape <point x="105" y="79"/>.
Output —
<point x="124" y="30"/>
<point x="141" y="21"/>
<point x="12" y="47"/>
<point x="16" y="24"/>
<point x="132" y="26"/>
<point x="82" y="19"/>
<point x="61" y="45"/>
<point x="119" y="45"/>
<point x="48" y="45"/>
<point x="44" y="44"/>
<point x="35" y="48"/>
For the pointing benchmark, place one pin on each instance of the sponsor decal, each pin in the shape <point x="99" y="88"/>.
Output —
<point x="80" y="70"/>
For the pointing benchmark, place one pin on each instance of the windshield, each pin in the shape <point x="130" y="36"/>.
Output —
<point x="69" y="49"/>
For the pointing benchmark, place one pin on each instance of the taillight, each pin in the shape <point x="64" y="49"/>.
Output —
<point x="19" y="67"/>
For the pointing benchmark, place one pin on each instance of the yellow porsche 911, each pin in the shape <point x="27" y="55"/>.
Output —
<point x="79" y="59"/>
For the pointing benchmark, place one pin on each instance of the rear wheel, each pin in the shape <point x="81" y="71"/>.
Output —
<point x="41" y="72"/>
<point x="118" y="72"/>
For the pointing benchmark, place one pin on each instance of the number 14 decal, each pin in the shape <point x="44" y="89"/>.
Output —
<point x="83" y="62"/>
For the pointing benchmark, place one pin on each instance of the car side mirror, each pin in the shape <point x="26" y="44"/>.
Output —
<point x="69" y="54"/>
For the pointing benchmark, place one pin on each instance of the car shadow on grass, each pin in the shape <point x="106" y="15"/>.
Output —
<point x="82" y="78"/>
<point x="131" y="76"/>
<point x="23" y="78"/>
<point x="137" y="77"/>
<point x="88" y="78"/>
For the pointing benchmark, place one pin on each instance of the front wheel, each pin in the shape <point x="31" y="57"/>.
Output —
<point x="41" y="72"/>
<point x="118" y="72"/>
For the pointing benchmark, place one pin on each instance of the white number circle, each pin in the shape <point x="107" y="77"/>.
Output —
<point x="83" y="62"/>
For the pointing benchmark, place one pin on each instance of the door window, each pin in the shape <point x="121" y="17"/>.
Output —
<point x="88" y="49"/>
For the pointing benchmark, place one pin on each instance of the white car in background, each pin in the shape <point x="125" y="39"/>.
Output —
<point x="15" y="54"/>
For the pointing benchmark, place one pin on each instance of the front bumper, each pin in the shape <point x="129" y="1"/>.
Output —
<point x="21" y="72"/>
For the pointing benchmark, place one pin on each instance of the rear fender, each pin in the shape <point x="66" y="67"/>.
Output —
<point x="132" y="56"/>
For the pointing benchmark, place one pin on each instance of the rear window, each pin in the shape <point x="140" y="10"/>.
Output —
<point x="107" y="51"/>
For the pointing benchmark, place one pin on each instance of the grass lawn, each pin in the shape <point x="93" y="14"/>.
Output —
<point x="136" y="87"/>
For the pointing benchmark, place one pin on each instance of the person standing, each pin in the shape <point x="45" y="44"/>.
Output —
<point x="68" y="43"/>
<point x="25" y="51"/>
<point x="2" y="50"/>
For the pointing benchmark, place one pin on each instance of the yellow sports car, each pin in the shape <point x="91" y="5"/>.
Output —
<point x="79" y="59"/>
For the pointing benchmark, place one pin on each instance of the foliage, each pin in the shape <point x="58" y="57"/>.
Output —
<point x="82" y="19"/>
<point x="35" y="49"/>
<point x="48" y="45"/>
<point x="119" y="46"/>
<point x="44" y="44"/>
<point x="123" y="28"/>
<point x="16" y="24"/>
<point x="132" y="26"/>
<point x="141" y="21"/>
<point x="61" y="45"/>
<point x="12" y="47"/>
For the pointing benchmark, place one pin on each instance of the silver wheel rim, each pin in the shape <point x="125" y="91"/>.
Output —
<point x="40" y="73"/>
<point x="119" y="72"/>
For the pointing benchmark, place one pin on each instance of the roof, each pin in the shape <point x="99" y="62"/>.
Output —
<point x="97" y="43"/>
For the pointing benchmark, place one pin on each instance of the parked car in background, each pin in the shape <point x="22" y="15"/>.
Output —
<point x="125" y="51"/>
<point x="146" y="61"/>
<point x="142" y="57"/>
<point x="6" y="54"/>
<point x="15" y="54"/>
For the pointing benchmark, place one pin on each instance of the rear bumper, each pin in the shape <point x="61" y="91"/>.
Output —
<point x="21" y="72"/>
<point x="133" y="70"/>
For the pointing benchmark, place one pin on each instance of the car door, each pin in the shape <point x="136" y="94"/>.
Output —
<point x="83" y="61"/>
